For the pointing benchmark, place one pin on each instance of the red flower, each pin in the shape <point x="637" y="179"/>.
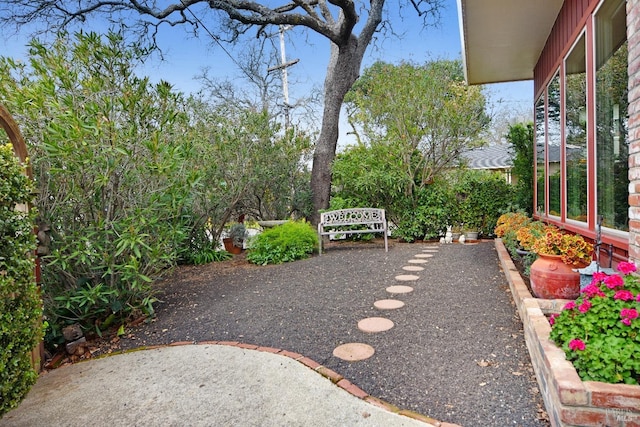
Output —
<point x="592" y="290"/>
<point x="623" y="295"/>
<point x="626" y="267"/>
<point x="613" y="281"/>
<point x="585" y="306"/>
<point x="628" y="314"/>
<point x="598" y="277"/>
<point x="577" y="344"/>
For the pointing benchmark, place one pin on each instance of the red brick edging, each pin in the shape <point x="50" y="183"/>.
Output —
<point x="569" y="400"/>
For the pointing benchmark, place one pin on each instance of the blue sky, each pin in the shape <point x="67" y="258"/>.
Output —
<point x="185" y="57"/>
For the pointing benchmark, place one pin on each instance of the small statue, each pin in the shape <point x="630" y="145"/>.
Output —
<point x="448" y="237"/>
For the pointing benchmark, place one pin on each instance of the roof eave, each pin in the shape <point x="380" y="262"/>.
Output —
<point x="502" y="39"/>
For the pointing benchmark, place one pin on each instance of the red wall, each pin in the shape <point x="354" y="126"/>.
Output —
<point x="570" y="21"/>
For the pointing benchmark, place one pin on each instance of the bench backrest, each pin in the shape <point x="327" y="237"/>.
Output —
<point x="353" y="216"/>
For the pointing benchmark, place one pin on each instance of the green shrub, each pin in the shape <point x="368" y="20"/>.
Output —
<point x="290" y="241"/>
<point x="20" y="307"/>
<point x="205" y="256"/>
<point x="480" y="198"/>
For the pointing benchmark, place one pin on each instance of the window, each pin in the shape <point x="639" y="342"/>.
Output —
<point x="612" y="181"/>
<point x="575" y="132"/>
<point x="553" y="144"/>
<point x="540" y="144"/>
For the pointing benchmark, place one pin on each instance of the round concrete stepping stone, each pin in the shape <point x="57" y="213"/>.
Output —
<point x="407" y="277"/>
<point x="430" y="251"/>
<point x="399" y="289"/>
<point x="388" y="304"/>
<point x="375" y="324"/>
<point x="353" y="352"/>
<point x="412" y="268"/>
<point x="418" y="261"/>
<point x="423" y="255"/>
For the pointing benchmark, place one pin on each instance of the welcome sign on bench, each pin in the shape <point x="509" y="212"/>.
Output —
<point x="358" y="221"/>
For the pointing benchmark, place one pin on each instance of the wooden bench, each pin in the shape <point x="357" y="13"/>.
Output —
<point x="370" y="220"/>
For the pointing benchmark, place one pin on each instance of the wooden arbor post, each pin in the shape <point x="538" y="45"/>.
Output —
<point x="20" y="149"/>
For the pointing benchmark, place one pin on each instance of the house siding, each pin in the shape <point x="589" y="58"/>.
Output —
<point x="570" y="21"/>
<point x="633" y="36"/>
<point x="575" y="17"/>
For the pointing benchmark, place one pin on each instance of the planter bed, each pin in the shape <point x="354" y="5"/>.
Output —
<point x="569" y="400"/>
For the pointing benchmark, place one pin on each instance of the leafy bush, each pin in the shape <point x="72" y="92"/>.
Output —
<point x="135" y="177"/>
<point x="600" y="331"/>
<point x="511" y="221"/>
<point x="377" y="176"/>
<point x="431" y="215"/>
<point x="207" y="255"/>
<point x="480" y="197"/>
<point x="20" y="306"/>
<point x="290" y="241"/>
<point x="509" y="227"/>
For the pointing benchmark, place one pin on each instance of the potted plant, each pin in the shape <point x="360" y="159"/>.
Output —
<point x="235" y="240"/>
<point x="572" y="248"/>
<point x="507" y="227"/>
<point x="552" y="274"/>
<point x="471" y="228"/>
<point x="528" y="234"/>
<point x="599" y="331"/>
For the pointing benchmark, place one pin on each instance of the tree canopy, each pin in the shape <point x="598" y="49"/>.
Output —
<point x="349" y="25"/>
<point x="427" y="112"/>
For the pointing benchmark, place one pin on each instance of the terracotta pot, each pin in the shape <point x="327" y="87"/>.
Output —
<point x="552" y="279"/>
<point x="230" y="247"/>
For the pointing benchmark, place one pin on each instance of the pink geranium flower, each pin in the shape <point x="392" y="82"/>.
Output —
<point x="552" y="318"/>
<point x="613" y="281"/>
<point x="598" y="277"/>
<point x="577" y="344"/>
<point x="592" y="290"/>
<point x="627" y="267"/>
<point x="585" y="306"/>
<point x="569" y="306"/>
<point x="628" y="314"/>
<point x="623" y="295"/>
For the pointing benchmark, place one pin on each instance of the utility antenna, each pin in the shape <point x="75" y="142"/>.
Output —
<point x="283" y="66"/>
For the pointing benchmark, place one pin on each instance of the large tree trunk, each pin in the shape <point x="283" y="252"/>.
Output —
<point x="342" y="72"/>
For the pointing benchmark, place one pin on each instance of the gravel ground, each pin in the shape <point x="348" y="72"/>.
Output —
<point x="456" y="353"/>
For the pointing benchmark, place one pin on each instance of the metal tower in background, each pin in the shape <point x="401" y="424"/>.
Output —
<point x="283" y="66"/>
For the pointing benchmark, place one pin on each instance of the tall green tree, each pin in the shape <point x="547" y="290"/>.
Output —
<point x="412" y="123"/>
<point x="426" y="112"/>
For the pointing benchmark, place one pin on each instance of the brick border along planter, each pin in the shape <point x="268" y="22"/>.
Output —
<point x="569" y="400"/>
